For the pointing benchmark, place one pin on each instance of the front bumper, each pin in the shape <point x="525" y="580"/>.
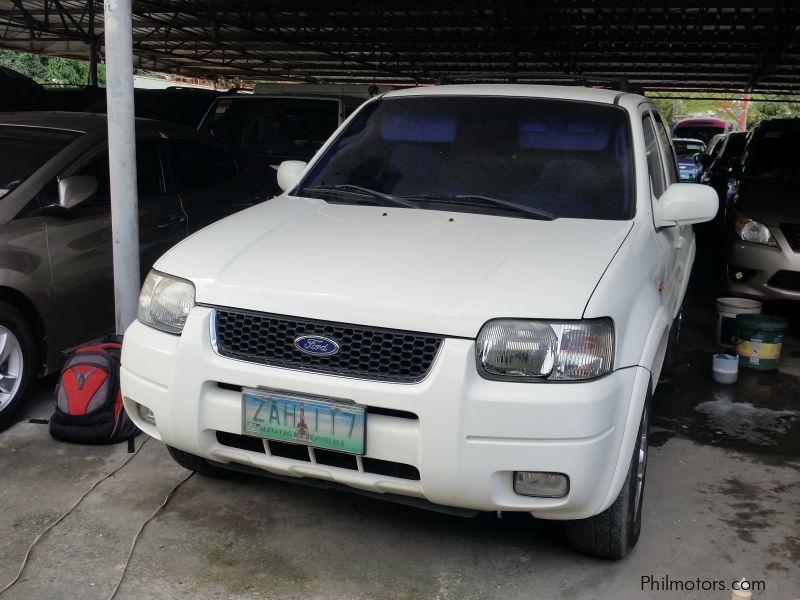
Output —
<point x="760" y="264"/>
<point x="464" y="434"/>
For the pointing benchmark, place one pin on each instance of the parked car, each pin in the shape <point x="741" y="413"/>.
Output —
<point x="707" y="157"/>
<point x="18" y="92"/>
<point x="716" y="174"/>
<point x="764" y="252"/>
<point x="185" y="106"/>
<point x="688" y="152"/>
<point x="56" y="288"/>
<point x="464" y="301"/>
<point x="702" y="129"/>
<point x="267" y="129"/>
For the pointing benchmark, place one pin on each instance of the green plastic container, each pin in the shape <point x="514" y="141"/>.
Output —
<point x="759" y="341"/>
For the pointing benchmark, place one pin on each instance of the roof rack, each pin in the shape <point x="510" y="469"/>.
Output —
<point x="615" y="83"/>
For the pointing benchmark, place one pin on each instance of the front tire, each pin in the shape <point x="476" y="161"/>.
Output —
<point x="614" y="532"/>
<point x="18" y="354"/>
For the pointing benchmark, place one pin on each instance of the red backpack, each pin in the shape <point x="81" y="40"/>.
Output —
<point x="89" y="406"/>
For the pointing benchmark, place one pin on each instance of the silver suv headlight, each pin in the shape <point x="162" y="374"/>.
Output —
<point x="754" y="232"/>
<point x="526" y="350"/>
<point x="165" y="302"/>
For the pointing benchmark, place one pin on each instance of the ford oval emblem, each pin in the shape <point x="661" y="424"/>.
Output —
<point x="316" y="345"/>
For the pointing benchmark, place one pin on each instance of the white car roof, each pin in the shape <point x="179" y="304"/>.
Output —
<point x="564" y="92"/>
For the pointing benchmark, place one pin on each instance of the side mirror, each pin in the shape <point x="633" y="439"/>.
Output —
<point x="289" y="173"/>
<point x="75" y="189"/>
<point x="686" y="203"/>
<point x="735" y="168"/>
<point x="705" y="160"/>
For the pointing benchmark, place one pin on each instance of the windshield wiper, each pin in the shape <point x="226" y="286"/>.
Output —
<point x="478" y="200"/>
<point x="357" y="190"/>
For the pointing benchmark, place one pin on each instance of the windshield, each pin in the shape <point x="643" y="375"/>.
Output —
<point x="280" y="128"/>
<point x="552" y="158"/>
<point x="773" y="154"/>
<point x="703" y="133"/>
<point x="733" y="148"/>
<point x="25" y="149"/>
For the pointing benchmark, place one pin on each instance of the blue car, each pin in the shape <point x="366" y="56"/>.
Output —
<point x="687" y="151"/>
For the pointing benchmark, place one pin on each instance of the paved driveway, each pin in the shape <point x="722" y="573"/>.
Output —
<point x="722" y="502"/>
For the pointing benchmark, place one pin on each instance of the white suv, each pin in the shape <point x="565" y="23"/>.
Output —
<point x="464" y="300"/>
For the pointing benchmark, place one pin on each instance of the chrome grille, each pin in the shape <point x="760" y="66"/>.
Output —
<point x="365" y="352"/>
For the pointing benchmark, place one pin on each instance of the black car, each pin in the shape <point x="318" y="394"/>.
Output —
<point x="716" y="171"/>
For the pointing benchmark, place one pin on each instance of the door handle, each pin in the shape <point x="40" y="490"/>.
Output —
<point x="172" y="222"/>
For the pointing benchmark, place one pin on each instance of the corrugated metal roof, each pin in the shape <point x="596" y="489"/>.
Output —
<point x="710" y="45"/>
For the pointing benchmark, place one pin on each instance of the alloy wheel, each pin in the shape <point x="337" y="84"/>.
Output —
<point x="10" y="366"/>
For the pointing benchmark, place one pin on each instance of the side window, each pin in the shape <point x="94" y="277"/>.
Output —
<point x="653" y="158"/>
<point x="149" y="179"/>
<point x="196" y="165"/>
<point x="98" y="167"/>
<point x="667" y="150"/>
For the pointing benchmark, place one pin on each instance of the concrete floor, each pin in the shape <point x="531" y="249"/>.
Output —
<point x="722" y="502"/>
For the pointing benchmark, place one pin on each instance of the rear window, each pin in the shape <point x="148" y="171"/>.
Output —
<point x="568" y="159"/>
<point x="688" y="148"/>
<point x="283" y="128"/>
<point x="24" y="150"/>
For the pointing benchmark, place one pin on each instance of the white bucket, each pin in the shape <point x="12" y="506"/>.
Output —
<point x="727" y="309"/>
<point x="725" y="368"/>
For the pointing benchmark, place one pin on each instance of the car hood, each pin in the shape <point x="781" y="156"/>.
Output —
<point x="419" y="270"/>
<point x="769" y="201"/>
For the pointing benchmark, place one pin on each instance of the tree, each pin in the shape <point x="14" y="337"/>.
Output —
<point x="29" y="65"/>
<point x="667" y="108"/>
<point x="51" y="70"/>
<point x="761" y="111"/>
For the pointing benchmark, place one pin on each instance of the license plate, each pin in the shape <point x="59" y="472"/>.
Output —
<point x="303" y="420"/>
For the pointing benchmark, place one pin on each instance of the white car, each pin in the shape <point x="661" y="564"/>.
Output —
<point x="464" y="301"/>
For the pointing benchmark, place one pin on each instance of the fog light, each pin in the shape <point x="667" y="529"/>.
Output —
<point x="542" y="485"/>
<point x="146" y="414"/>
<point x="738" y="274"/>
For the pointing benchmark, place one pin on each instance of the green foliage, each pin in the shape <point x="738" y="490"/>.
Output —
<point x="667" y="108"/>
<point x="29" y="65"/>
<point x="51" y="70"/>
<point x="761" y="111"/>
<point x="758" y="109"/>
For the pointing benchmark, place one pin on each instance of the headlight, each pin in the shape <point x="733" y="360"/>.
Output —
<point x="523" y="350"/>
<point x="754" y="232"/>
<point x="165" y="302"/>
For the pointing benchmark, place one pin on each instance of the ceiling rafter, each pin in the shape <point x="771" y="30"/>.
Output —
<point x="715" y="44"/>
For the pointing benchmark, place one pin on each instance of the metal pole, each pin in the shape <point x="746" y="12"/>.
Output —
<point x="122" y="159"/>
<point x="93" y="47"/>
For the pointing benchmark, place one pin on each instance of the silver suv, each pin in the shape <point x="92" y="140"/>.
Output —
<point x="56" y="287"/>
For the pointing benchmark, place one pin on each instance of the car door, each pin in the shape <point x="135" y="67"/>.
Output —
<point x="80" y="242"/>
<point x="208" y="181"/>
<point x="663" y="172"/>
